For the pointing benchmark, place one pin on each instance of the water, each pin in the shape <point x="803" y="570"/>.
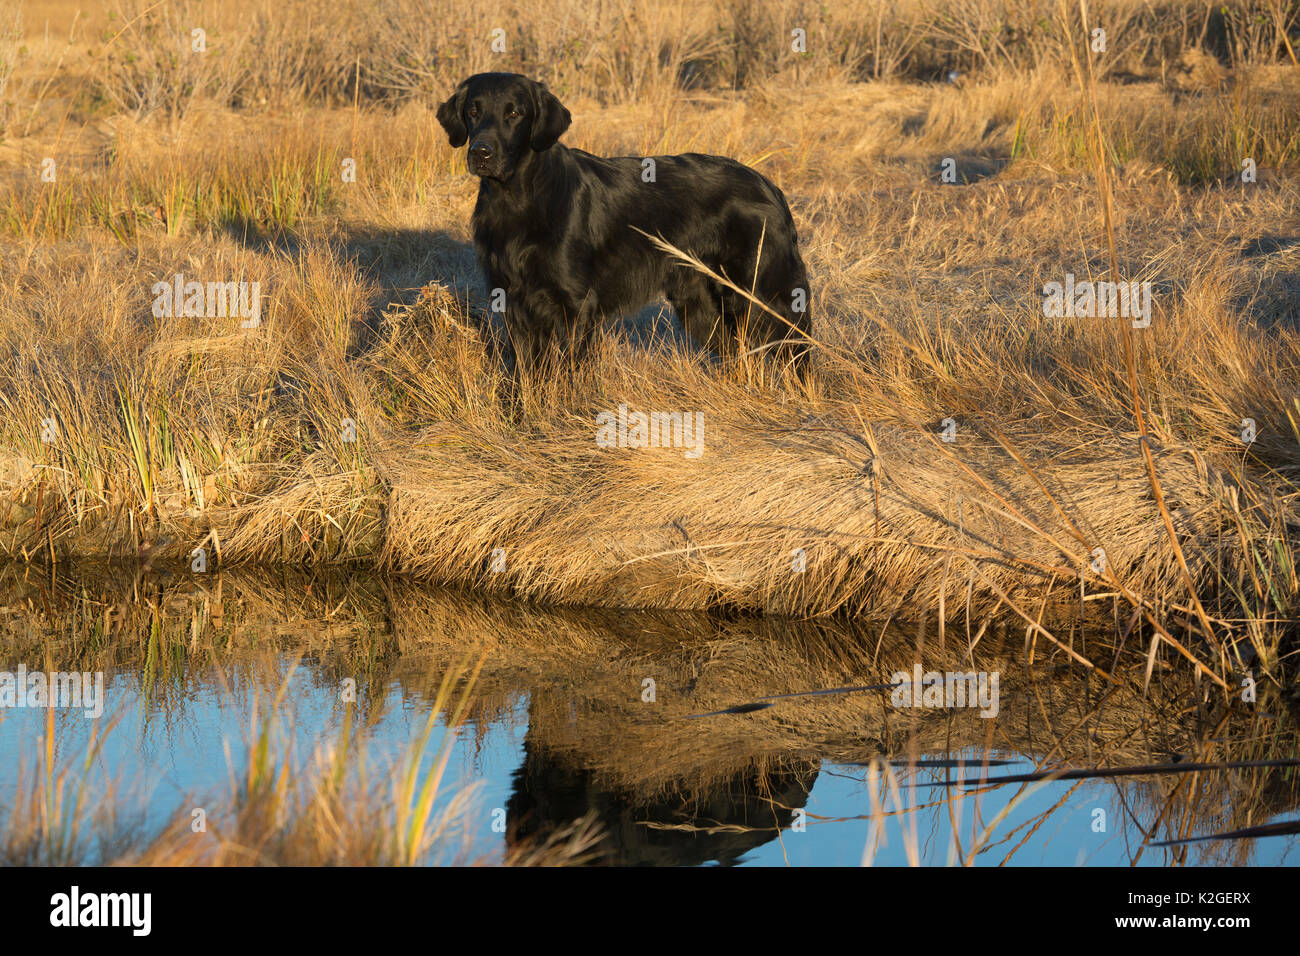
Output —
<point x="563" y="727"/>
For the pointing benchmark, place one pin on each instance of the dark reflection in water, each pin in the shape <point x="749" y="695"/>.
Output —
<point x="561" y="729"/>
<point x="719" y="826"/>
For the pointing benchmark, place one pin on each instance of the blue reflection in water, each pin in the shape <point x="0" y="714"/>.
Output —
<point x="186" y="745"/>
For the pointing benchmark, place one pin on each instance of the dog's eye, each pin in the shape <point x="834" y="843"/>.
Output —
<point x="512" y="113"/>
<point x="472" y="112"/>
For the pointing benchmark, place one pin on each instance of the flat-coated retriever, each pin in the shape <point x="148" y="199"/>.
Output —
<point x="564" y="234"/>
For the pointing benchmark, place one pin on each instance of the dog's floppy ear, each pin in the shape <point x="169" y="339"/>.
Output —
<point x="551" y="119"/>
<point x="451" y="115"/>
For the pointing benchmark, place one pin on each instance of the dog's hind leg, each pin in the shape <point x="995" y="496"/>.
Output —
<point x="786" y="288"/>
<point x="781" y="330"/>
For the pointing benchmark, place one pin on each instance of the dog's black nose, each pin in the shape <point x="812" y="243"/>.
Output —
<point x="481" y="151"/>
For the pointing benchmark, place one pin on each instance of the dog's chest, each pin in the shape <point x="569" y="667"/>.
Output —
<point x="510" y="252"/>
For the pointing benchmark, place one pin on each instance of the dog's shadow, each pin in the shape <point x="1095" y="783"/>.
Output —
<point x="402" y="262"/>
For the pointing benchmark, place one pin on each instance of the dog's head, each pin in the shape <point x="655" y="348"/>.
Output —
<point x="502" y="116"/>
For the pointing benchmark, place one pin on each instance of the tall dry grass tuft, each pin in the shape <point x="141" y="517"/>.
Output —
<point x="272" y="55"/>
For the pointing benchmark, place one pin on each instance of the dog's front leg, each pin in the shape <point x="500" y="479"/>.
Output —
<point x="527" y="346"/>
<point x="529" y="331"/>
<point x="581" y="330"/>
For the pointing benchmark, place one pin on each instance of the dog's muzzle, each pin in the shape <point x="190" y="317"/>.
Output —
<point x="481" y="160"/>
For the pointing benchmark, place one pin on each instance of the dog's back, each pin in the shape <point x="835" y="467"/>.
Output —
<point x="730" y="217"/>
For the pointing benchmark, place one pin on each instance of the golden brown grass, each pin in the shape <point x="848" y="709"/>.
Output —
<point x="184" y="433"/>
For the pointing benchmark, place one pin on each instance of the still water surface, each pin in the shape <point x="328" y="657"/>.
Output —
<point x="559" y="734"/>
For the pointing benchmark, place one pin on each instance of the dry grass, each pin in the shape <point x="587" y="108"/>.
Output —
<point x="183" y="433"/>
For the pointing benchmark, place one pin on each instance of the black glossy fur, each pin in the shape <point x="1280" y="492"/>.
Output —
<point x="556" y="229"/>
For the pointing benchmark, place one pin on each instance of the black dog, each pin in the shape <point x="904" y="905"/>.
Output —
<point x="565" y="234"/>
